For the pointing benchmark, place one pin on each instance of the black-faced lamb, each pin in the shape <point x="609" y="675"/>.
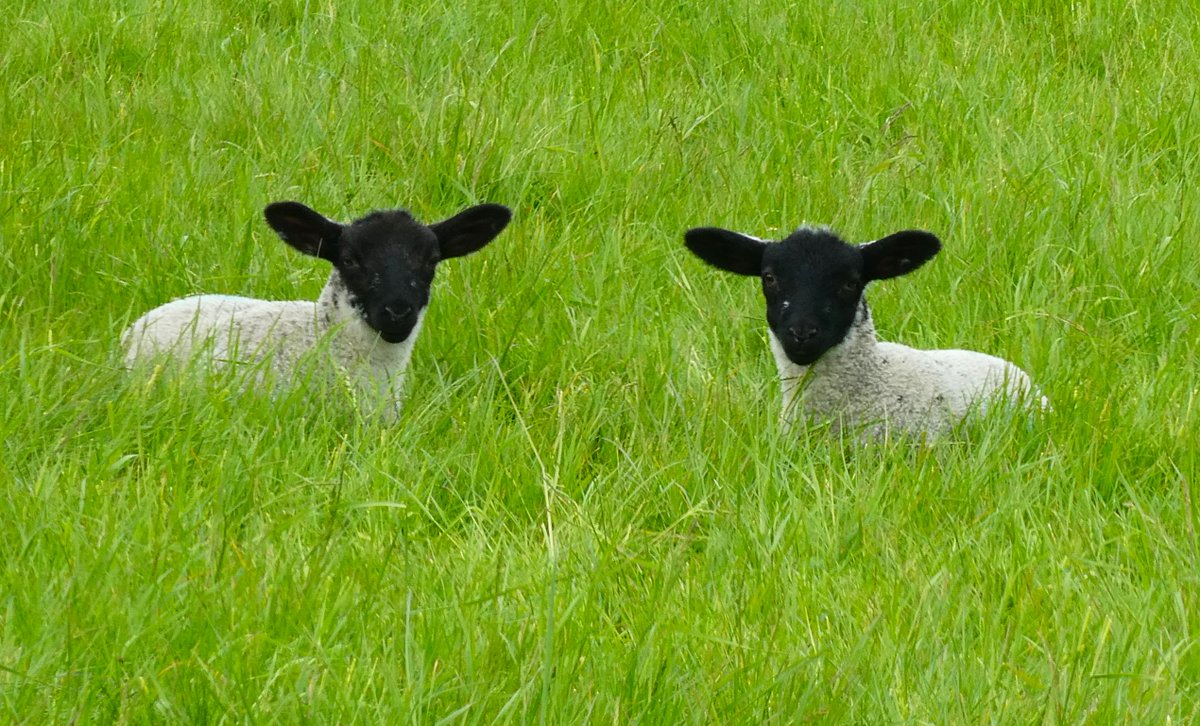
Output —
<point x="831" y="366"/>
<point x="367" y="316"/>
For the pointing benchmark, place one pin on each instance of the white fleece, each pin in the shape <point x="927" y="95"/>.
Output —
<point x="881" y="387"/>
<point x="236" y="331"/>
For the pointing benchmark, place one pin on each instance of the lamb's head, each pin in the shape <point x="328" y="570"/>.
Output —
<point x="386" y="260"/>
<point x="812" y="280"/>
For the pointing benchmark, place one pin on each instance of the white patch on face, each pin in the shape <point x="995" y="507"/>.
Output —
<point x="786" y="304"/>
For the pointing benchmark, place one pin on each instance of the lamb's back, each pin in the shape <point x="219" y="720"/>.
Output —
<point x="931" y="390"/>
<point x="974" y="379"/>
<point x="229" y="327"/>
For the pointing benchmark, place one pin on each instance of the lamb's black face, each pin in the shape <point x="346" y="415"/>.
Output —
<point x="813" y="281"/>
<point x="813" y="284"/>
<point x="387" y="262"/>
<point x="387" y="259"/>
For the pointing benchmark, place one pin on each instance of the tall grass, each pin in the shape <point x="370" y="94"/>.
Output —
<point x="588" y="512"/>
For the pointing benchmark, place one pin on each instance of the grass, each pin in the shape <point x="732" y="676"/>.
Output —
<point x="588" y="512"/>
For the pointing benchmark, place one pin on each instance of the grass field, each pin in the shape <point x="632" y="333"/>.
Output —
<point x="589" y="512"/>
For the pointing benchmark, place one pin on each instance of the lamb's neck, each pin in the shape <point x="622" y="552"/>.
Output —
<point x="848" y="367"/>
<point x="352" y="338"/>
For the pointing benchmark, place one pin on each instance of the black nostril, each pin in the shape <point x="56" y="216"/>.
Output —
<point x="802" y="334"/>
<point x="397" y="311"/>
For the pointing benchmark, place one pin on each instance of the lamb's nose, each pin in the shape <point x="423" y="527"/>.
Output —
<point x="397" y="311"/>
<point x="802" y="333"/>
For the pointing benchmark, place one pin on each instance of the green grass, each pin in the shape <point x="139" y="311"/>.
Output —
<point x="589" y="512"/>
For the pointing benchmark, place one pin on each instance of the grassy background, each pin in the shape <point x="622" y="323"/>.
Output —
<point x="589" y="512"/>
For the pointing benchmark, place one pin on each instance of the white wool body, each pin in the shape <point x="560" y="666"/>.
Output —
<point x="880" y="387"/>
<point x="230" y="331"/>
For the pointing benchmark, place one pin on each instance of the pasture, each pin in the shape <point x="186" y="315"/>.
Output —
<point x="589" y="512"/>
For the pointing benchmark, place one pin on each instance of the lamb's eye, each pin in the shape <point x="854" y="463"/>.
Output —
<point x="849" y="288"/>
<point x="350" y="263"/>
<point x="769" y="279"/>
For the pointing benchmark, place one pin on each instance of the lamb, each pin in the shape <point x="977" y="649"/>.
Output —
<point x="367" y="317"/>
<point x="831" y="367"/>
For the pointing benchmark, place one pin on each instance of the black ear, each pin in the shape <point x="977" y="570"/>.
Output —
<point x="304" y="229"/>
<point x="726" y="250"/>
<point x="470" y="229"/>
<point x="898" y="254"/>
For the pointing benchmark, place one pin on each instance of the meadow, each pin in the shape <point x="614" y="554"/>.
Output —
<point x="589" y="512"/>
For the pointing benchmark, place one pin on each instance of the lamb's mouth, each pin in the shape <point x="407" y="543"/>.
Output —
<point x="803" y="356"/>
<point x="390" y="336"/>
